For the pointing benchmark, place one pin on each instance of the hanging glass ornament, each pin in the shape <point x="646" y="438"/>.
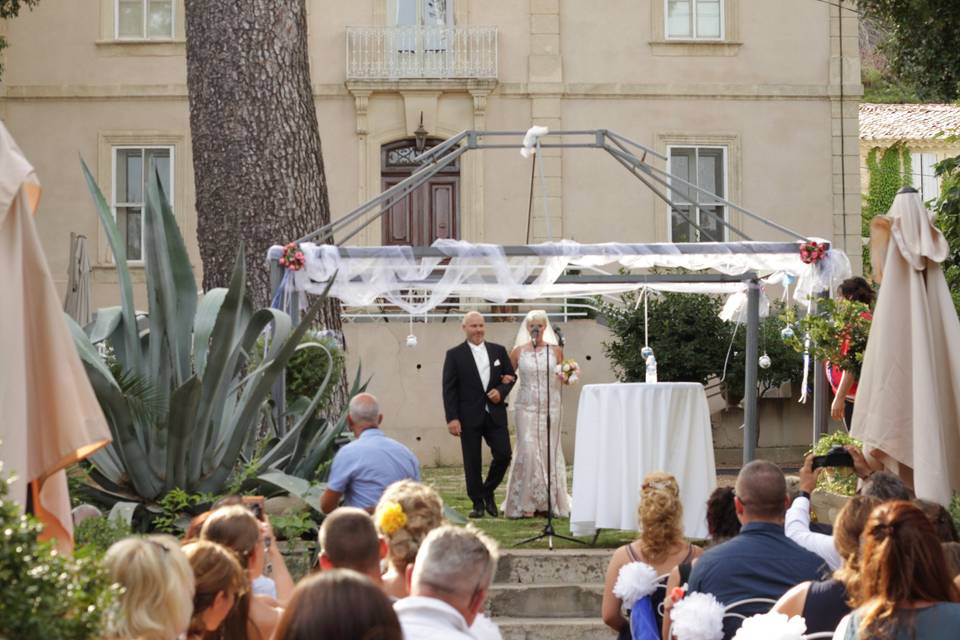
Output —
<point x="765" y="361"/>
<point x="787" y="332"/>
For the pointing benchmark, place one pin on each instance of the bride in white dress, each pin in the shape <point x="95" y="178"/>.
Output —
<point x="527" y="485"/>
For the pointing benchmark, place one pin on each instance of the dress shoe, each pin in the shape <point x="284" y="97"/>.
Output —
<point x="477" y="510"/>
<point x="491" y="506"/>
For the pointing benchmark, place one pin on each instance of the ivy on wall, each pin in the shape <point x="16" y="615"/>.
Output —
<point x="888" y="170"/>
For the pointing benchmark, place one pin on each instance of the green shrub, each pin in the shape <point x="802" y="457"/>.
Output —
<point x="293" y="526"/>
<point x="835" y="322"/>
<point x="47" y="595"/>
<point x="100" y="532"/>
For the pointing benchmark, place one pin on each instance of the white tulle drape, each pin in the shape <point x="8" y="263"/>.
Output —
<point x="484" y="271"/>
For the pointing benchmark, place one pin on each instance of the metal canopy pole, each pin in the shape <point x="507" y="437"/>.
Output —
<point x="613" y="250"/>
<point x="750" y="421"/>
<point x="821" y="397"/>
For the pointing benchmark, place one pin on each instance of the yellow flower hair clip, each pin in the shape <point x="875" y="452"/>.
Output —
<point x="391" y="518"/>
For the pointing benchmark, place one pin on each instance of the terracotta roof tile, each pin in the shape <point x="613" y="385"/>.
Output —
<point x="907" y="121"/>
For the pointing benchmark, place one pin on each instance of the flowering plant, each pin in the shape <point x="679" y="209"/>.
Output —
<point x="292" y="257"/>
<point x="812" y="252"/>
<point x="568" y="371"/>
<point x="391" y="518"/>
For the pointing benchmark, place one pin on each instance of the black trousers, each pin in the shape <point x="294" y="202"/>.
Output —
<point x="498" y="439"/>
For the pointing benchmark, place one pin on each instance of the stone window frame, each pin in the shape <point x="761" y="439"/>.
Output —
<point x="733" y="169"/>
<point x="109" y="44"/>
<point x="108" y="142"/>
<point x="728" y="44"/>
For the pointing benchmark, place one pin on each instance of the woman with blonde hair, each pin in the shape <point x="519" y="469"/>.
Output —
<point x="661" y="545"/>
<point x="157" y="589"/>
<point x="406" y="513"/>
<point x="254" y="616"/>
<point x="535" y="355"/>
<point x="220" y="582"/>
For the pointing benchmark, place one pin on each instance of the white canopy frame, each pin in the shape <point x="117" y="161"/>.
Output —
<point x="418" y="278"/>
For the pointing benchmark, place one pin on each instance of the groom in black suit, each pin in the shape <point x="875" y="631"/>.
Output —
<point x="473" y="399"/>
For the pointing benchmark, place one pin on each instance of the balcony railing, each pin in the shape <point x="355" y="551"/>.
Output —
<point x="395" y="53"/>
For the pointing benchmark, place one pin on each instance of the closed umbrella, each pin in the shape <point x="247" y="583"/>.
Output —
<point x="907" y="410"/>
<point x="51" y="417"/>
<point x="77" y="303"/>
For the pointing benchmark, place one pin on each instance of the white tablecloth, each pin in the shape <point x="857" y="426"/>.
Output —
<point x="625" y="431"/>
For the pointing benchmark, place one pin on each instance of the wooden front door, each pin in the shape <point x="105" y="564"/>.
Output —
<point x="431" y="211"/>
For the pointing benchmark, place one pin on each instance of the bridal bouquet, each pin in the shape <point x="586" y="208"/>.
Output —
<point x="568" y="371"/>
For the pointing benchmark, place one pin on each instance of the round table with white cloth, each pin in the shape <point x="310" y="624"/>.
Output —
<point x="627" y="430"/>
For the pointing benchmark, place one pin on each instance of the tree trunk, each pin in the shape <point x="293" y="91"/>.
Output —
<point x="257" y="161"/>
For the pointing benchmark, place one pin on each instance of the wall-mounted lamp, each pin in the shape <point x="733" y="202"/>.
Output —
<point x="420" y="135"/>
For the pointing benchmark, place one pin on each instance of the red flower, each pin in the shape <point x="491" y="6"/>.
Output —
<point x="812" y="252"/>
<point x="677" y="593"/>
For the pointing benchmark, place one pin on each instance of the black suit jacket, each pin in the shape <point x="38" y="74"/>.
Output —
<point x="464" y="397"/>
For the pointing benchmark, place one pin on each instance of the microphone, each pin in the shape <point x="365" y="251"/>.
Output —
<point x="560" y="340"/>
<point x="535" y="334"/>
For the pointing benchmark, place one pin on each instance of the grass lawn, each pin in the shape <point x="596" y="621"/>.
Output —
<point x="448" y="482"/>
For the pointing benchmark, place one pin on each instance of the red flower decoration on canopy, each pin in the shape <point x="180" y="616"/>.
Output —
<point x="812" y="252"/>
<point x="292" y="257"/>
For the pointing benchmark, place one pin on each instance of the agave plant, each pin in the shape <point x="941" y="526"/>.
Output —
<point x="188" y="358"/>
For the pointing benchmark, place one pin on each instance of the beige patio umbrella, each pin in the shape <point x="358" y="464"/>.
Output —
<point x="51" y="417"/>
<point x="907" y="410"/>
<point x="77" y="302"/>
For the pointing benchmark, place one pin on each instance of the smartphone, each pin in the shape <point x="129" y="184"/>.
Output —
<point x="255" y="505"/>
<point x="836" y="457"/>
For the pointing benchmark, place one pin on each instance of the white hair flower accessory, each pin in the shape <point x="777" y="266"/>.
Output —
<point x="772" y="626"/>
<point x="699" y="616"/>
<point x="635" y="580"/>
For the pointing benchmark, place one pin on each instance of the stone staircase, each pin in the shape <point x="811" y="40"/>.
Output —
<point x="550" y="595"/>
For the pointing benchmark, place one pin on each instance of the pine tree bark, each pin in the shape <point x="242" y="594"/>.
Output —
<point x="257" y="160"/>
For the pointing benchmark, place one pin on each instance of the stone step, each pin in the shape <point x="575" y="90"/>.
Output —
<point x="545" y="601"/>
<point x="554" y="629"/>
<point x="572" y="566"/>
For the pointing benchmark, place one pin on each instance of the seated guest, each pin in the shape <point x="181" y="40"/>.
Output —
<point x="348" y="540"/>
<point x="219" y="580"/>
<point x="157" y="589"/>
<point x="280" y="586"/>
<point x="406" y="513"/>
<point x="823" y="604"/>
<point x="885" y="486"/>
<point x="905" y="588"/>
<point x="760" y="562"/>
<point x="339" y="604"/>
<point x="365" y="467"/>
<point x="722" y="524"/>
<point x="448" y="584"/>
<point x="940" y="519"/>
<point x="255" y="616"/>
<point x="797" y="521"/>
<point x="882" y="485"/>
<point x="661" y="545"/>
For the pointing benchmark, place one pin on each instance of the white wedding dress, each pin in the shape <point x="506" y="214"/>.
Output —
<point x="527" y="485"/>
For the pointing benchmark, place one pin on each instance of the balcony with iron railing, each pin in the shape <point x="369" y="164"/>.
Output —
<point x="421" y="52"/>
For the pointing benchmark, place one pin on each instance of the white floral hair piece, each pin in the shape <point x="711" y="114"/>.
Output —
<point x="772" y="626"/>
<point x="635" y="580"/>
<point x="699" y="616"/>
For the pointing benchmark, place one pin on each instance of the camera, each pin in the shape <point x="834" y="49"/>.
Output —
<point x="837" y="456"/>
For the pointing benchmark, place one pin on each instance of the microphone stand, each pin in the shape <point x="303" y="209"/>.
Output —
<point x="548" y="531"/>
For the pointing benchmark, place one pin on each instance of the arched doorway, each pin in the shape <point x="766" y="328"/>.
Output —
<point x="431" y="211"/>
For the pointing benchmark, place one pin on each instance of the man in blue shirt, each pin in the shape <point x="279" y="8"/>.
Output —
<point x="362" y="469"/>
<point x="760" y="562"/>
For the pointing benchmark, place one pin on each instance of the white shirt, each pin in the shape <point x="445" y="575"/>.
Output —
<point x="425" y="618"/>
<point x="797" y="527"/>
<point x="482" y="358"/>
